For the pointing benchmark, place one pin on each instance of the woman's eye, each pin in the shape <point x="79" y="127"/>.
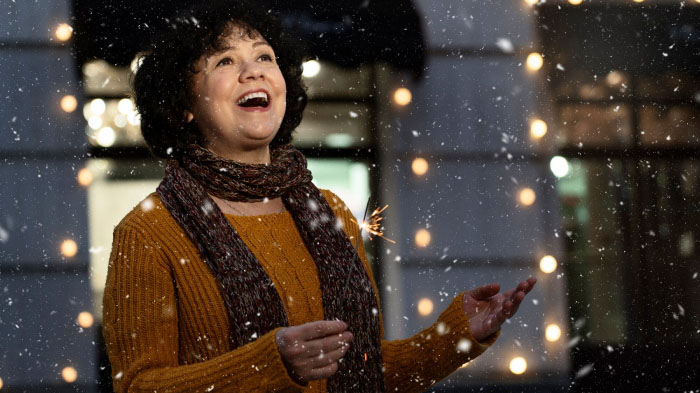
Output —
<point x="265" y="57"/>
<point x="224" y="61"/>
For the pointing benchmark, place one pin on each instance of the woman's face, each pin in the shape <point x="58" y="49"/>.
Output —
<point x="240" y="96"/>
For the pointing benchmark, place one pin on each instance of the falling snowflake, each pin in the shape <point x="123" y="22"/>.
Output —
<point x="147" y="205"/>
<point x="464" y="345"/>
<point x="505" y="45"/>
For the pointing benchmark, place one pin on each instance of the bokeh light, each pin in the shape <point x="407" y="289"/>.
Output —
<point x="422" y="238"/>
<point x="425" y="307"/>
<point x="402" y="96"/>
<point x="106" y="136"/>
<point x="538" y="128"/>
<point x="559" y="166"/>
<point x="552" y="333"/>
<point x="526" y="196"/>
<point x="63" y="32"/>
<point x="98" y="106"/>
<point x="548" y="264"/>
<point x="311" y="68"/>
<point x="614" y="78"/>
<point x="85" y="319"/>
<point x="534" y="61"/>
<point x="85" y="177"/>
<point x="69" y="374"/>
<point x="125" y="106"/>
<point x="419" y="166"/>
<point x="575" y="2"/>
<point x="69" y="248"/>
<point x="69" y="103"/>
<point x="518" y="365"/>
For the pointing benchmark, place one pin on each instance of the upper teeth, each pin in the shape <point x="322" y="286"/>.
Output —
<point x="258" y="94"/>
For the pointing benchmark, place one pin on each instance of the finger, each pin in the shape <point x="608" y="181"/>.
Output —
<point x="324" y="359"/>
<point x="485" y="292"/>
<point x="322" y="372"/>
<point x="531" y="281"/>
<point x="318" y="329"/>
<point x="527" y="285"/>
<point x="513" y="305"/>
<point x="327" y="344"/>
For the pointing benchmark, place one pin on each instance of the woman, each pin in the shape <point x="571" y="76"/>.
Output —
<point x="231" y="276"/>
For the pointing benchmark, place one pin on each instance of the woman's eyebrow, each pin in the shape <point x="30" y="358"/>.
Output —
<point x="232" y="47"/>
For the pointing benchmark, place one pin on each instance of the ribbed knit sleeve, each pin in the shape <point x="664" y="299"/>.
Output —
<point x="141" y="331"/>
<point x="415" y="363"/>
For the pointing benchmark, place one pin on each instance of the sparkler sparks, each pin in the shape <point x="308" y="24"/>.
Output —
<point x="373" y="225"/>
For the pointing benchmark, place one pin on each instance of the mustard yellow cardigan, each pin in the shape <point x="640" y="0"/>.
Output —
<point x="166" y="326"/>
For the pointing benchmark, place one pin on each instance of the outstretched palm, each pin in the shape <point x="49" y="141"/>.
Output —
<point x="487" y="309"/>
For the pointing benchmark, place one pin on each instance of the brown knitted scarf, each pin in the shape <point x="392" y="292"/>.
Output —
<point x="254" y="306"/>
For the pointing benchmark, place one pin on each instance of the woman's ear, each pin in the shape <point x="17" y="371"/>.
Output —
<point x="189" y="116"/>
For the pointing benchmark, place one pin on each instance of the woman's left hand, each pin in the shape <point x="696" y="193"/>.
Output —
<point x="487" y="309"/>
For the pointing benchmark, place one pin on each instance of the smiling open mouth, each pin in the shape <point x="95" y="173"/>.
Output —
<point x="257" y="99"/>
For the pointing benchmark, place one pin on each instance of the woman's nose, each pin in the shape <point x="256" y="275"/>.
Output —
<point x="251" y="70"/>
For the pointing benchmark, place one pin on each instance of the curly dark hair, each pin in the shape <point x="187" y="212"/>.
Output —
<point x="163" y="83"/>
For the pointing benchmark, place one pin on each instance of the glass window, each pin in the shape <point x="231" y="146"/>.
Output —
<point x="669" y="126"/>
<point x="333" y="82"/>
<point x="592" y="199"/>
<point x="334" y="125"/>
<point x="592" y="125"/>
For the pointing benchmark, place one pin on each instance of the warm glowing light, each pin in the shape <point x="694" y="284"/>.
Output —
<point x="98" y="106"/>
<point x="0" y="383"/>
<point x="69" y="248"/>
<point x="373" y="225"/>
<point x="64" y="32"/>
<point x="95" y="122"/>
<point x="69" y="374"/>
<point x="422" y="238"/>
<point x="552" y="333"/>
<point x="638" y="1"/>
<point x="311" y="68"/>
<point x="518" y="365"/>
<point x="526" y="196"/>
<point x="538" y="128"/>
<point x="106" y="136"/>
<point x="534" y="61"/>
<point x="402" y="96"/>
<point x="531" y="2"/>
<point x="419" y="166"/>
<point x="425" y="307"/>
<point x="125" y="106"/>
<point x="575" y="2"/>
<point x="134" y="118"/>
<point x="69" y="103"/>
<point x="614" y="78"/>
<point x="85" y="319"/>
<point x="559" y="166"/>
<point x="136" y="63"/>
<point x="548" y="264"/>
<point x="85" y="177"/>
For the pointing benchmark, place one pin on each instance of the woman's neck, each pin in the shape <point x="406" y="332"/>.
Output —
<point x="253" y="156"/>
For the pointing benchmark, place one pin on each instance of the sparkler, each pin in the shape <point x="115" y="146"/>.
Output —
<point x="373" y="227"/>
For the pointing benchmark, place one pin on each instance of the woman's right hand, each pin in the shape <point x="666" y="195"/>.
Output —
<point x="312" y="350"/>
